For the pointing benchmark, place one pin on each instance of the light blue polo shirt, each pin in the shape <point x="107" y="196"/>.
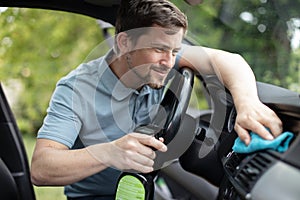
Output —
<point x="89" y="106"/>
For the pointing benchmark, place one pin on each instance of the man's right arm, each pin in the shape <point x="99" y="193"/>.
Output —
<point x="55" y="164"/>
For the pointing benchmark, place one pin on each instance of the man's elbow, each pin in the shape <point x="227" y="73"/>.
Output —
<point x="36" y="181"/>
<point x="38" y="178"/>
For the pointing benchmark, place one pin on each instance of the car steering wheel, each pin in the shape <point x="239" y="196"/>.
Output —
<point x="167" y="125"/>
<point x="215" y="136"/>
<point x="168" y="120"/>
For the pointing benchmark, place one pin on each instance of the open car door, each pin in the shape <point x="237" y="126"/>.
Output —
<point x="15" y="180"/>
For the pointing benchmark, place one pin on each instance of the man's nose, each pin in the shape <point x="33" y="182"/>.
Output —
<point x="168" y="59"/>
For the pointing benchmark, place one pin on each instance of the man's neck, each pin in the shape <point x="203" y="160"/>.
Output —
<point x="119" y="67"/>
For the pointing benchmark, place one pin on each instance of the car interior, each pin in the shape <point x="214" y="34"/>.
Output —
<point x="205" y="167"/>
<point x="14" y="169"/>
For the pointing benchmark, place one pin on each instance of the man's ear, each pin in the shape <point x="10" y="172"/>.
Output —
<point x="123" y="43"/>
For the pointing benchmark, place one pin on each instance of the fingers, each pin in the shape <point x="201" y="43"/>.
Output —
<point x="140" y="162"/>
<point x="259" y="119"/>
<point x="151" y="141"/>
<point x="133" y="151"/>
<point x="140" y="151"/>
<point x="274" y="125"/>
<point x="243" y="134"/>
<point x="254" y="126"/>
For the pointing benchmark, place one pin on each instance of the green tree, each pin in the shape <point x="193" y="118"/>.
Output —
<point x="37" y="47"/>
<point x="260" y="30"/>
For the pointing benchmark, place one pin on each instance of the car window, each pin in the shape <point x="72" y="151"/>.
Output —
<point x="37" y="47"/>
<point x="262" y="31"/>
<point x="265" y="32"/>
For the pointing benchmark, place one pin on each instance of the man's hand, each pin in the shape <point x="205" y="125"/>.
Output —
<point x="255" y="116"/>
<point x="134" y="151"/>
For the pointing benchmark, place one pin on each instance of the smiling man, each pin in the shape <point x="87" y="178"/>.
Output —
<point x="149" y="58"/>
<point x="88" y="134"/>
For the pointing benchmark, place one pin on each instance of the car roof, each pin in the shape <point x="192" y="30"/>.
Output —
<point x="105" y="10"/>
<point x="101" y="9"/>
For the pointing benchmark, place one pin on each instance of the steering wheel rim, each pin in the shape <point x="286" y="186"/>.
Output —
<point x="168" y="120"/>
<point x="174" y="131"/>
<point x="207" y="144"/>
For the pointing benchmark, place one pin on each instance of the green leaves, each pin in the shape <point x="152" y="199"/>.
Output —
<point x="37" y="47"/>
<point x="259" y="30"/>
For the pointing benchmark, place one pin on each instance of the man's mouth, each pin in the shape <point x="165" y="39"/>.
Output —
<point x="162" y="71"/>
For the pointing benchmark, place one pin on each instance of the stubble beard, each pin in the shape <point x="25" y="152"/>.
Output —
<point x="149" y="79"/>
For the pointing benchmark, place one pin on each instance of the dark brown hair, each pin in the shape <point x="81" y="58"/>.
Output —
<point x="144" y="13"/>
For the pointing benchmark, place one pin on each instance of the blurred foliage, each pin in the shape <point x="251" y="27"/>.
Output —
<point x="37" y="47"/>
<point x="261" y="31"/>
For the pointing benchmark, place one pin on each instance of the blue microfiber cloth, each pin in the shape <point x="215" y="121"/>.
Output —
<point x="280" y="143"/>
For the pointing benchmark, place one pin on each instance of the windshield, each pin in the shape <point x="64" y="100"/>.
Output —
<point x="37" y="47"/>
<point x="265" y="32"/>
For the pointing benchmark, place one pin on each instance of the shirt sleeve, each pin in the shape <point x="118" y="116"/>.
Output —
<point x="61" y="123"/>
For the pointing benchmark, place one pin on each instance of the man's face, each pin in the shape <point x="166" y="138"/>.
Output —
<point x="153" y="55"/>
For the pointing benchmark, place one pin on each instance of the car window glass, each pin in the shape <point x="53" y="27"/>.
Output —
<point x="262" y="31"/>
<point x="37" y="47"/>
<point x="265" y="32"/>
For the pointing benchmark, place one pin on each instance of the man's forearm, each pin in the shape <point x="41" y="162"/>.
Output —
<point x="232" y="70"/>
<point x="236" y="75"/>
<point x="53" y="166"/>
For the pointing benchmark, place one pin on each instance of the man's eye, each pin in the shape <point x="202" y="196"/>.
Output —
<point x="159" y="50"/>
<point x="174" y="53"/>
<point x="163" y="50"/>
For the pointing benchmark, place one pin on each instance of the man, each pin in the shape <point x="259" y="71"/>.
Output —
<point x="87" y="136"/>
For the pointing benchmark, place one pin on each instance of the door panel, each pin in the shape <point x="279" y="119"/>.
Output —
<point x="14" y="174"/>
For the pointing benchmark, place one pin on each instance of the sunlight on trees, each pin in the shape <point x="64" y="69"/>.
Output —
<point x="38" y="47"/>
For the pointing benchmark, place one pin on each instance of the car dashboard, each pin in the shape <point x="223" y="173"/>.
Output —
<point x="264" y="174"/>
